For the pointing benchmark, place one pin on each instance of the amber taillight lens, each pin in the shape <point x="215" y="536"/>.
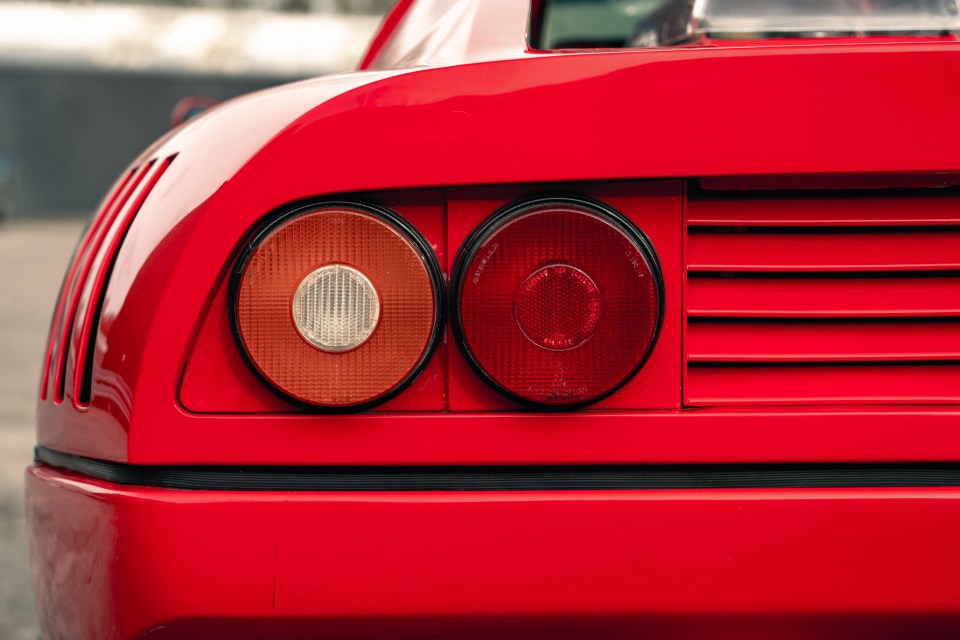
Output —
<point x="556" y="301"/>
<point x="338" y="305"/>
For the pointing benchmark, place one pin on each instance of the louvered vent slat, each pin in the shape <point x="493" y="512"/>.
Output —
<point x="824" y="384"/>
<point x="802" y="297"/>
<point x="808" y="209"/>
<point x="83" y="264"/>
<point x="88" y="319"/>
<point x="825" y="299"/>
<point x="806" y="341"/>
<point x="83" y="286"/>
<point x="57" y="325"/>
<point x="754" y="249"/>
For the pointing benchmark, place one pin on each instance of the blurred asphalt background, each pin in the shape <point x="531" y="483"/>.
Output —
<point x="29" y="287"/>
<point x="84" y="87"/>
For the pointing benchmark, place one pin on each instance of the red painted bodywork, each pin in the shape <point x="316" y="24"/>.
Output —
<point x="659" y="564"/>
<point x="185" y="237"/>
<point x="445" y="129"/>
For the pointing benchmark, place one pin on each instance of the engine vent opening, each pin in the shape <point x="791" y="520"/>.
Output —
<point x="842" y="298"/>
<point x="69" y="352"/>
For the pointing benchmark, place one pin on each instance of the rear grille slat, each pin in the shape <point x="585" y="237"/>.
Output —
<point x="824" y="250"/>
<point x="900" y="341"/>
<point x="802" y="297"/>
<point x="833" y="299"/>
<point x="933" y="383"/>
<point x="898" y="209"/>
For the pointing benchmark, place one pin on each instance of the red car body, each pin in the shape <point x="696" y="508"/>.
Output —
<point x="784" y="463"/>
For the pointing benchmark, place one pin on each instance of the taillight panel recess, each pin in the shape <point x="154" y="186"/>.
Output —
<point x="556" y="301"/>
<point x="338" y="305"/>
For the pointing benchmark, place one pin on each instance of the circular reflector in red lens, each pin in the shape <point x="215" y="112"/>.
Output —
<point x="557" y="301"/>
<point x="338" y="305"/>
<point x="558" y="307"/>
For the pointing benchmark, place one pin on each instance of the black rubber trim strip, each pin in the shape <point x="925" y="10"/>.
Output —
<point x="740" y="476"/>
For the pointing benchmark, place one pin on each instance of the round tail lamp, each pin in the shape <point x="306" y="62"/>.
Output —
<point x="338" y="305"/>
<point x="556" y="302"/>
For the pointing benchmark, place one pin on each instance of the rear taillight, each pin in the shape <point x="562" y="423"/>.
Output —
<point x="338" y="305"/>
<point x="556" y="301"/>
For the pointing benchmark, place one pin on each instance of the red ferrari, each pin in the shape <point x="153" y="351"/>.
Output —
<point x="559" y="319"/>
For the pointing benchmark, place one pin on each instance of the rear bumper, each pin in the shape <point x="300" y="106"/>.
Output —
<point x="113" y="561"/>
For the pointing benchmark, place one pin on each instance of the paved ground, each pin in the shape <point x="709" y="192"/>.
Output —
<point x="33" y="256"/>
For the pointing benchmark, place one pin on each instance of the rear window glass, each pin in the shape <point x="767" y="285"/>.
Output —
<point x="572" y="24"/>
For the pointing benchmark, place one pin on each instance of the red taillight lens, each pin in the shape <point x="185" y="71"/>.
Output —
<point x="557" y="301"/>
<point x="338" y="305"/>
